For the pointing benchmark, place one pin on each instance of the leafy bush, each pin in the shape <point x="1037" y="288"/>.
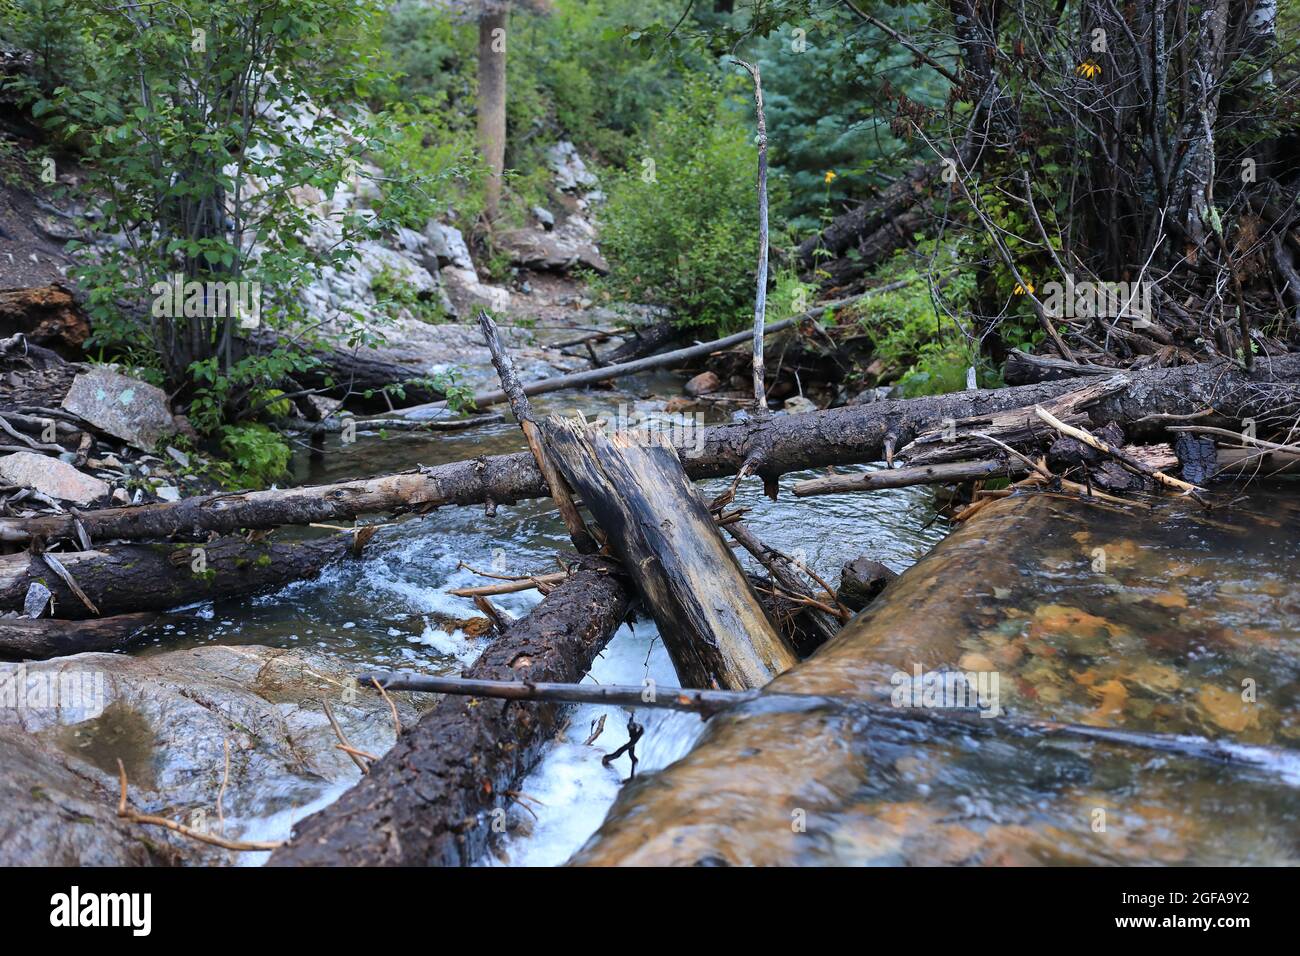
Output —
<point x="680" y="227"/>
<point x="256" y="456"/>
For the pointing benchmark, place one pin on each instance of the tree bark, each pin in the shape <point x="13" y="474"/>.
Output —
<point x="492" y="101"/>
<point x="846" y="230"/>
<point x="358" y="378"/>
<point x="430" y="800"/>
<point x="124" y="578"/>
<point x="711" y="622"/>
<point x="24" y="639"/>
<point x="854" y="434"/>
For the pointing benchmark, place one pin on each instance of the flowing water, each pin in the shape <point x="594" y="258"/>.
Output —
<point x="390" y="610"/>
<point x="1088" y="614"/>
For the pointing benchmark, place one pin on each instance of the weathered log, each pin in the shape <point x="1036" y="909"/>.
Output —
<point x="854" y="434"/>
<point x="427" y="801"/>
<point x="1022" y="368"/>
<point x="334" y="424"/>
<point x="710" y="621"/>
<point x="643" y="341"/>
<point x="124" y="578"/>
<point x="606" y="372"/>
<point x="845" y="230"/>
<point x="555" y="484"/>
<point x="965" y="439"/>
<point x="358" y="378"/>
<point x="25" y="639"/>
<point x="946" y="473"/>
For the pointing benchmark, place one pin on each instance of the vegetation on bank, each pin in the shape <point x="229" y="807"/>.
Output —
<point x="203" y="124"/>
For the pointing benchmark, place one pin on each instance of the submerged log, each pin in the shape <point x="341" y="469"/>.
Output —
<point x="711" y="622"/>
<point x="769" y="447"/>
<point x="25" y="639"/>
<point x="849" y="778"/>
<point x="124" y="578"/>
<point x="428" y="801"/>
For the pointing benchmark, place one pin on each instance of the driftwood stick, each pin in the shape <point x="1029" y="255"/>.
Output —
<point x="514" y="389"/>
<point x="760" y="296"/>
<point x="945" y="473"/>
<point x="511" y="587"/>
<point x="708" y="702"/>
<point x="824" y="622"/>
<point x="132" y="816"/>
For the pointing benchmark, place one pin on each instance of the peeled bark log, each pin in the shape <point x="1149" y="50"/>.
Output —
<point x="427" y="801"/>
<point x="854" y="434"/>
<point x="24" y="639"/>
<point x="156" y="577"/>
<point x="711" y="623"/>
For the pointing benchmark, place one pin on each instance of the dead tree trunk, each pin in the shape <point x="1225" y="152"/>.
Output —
<point x="156" y="577"/>
<point x="854" y="434"/>
<point x="365" y="382"/>
<point x="428" y="801"/>
<point x="24" y="639"/>
<point x="711" y="622"/>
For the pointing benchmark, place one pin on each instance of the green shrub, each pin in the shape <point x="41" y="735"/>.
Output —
<point x="256" y="456"/>
<point x="680" y="227"/>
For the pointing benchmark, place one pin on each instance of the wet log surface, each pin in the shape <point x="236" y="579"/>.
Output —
<point x="770" y="446"/>
<point x="710" y="620"/>
<point x="24" y="639"/>
<point x="429" y="800"/>
<point x="125" y="578"/>
<point x="1155" y="640"/>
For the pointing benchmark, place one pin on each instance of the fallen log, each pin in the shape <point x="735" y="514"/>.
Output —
<point x="334" y="424"/>
<point x="845" y="230"/>
<point x="606" y="372"/>
<point x="25" y="639"/>
<point x="555" y="484"/>
<point x="711" y="623"/>
<point x="947" y="473"/>
<point x="1022" y="368"/>
<point x="676" y="357"/>
<point x="643" y="341"/>
<point x="770" y="447"/>
<point x="428" y="801"/>
<point x="124" y="578"/>
<point x="364" y="382"/>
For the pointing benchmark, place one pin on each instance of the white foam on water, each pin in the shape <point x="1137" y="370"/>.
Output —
<point x="572" y="790"/>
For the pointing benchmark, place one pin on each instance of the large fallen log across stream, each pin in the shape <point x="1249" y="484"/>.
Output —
<point x="428" y="801"/>
<point x="768" y="446"/>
